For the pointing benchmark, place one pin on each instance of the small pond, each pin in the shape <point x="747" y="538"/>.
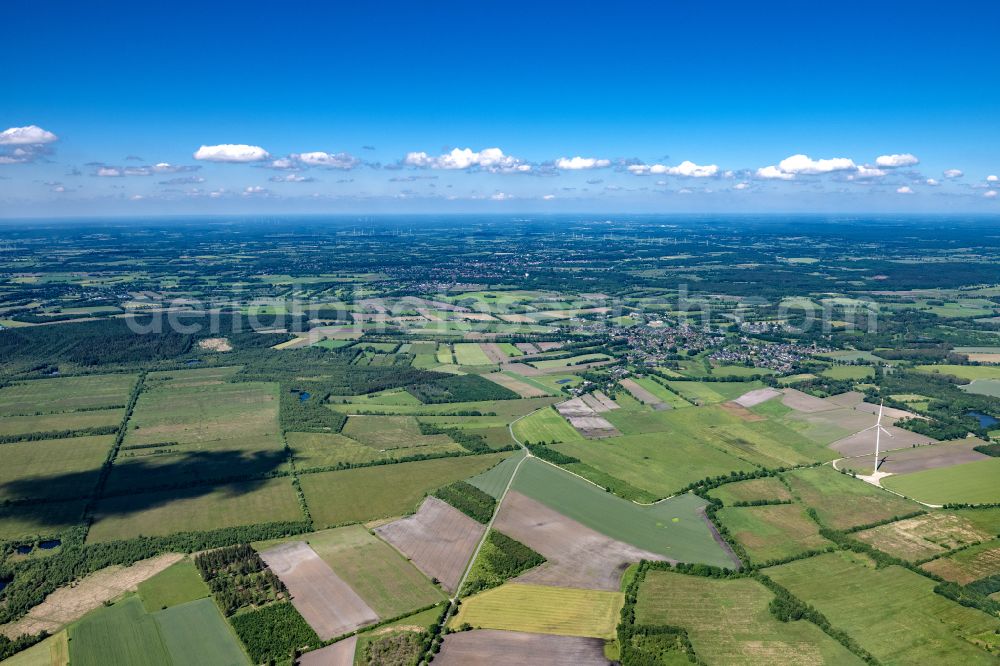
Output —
<point x="304" y="395"/>
<point x="49" y="544"/>
<point x="24" y="550"/>
<point x="985" y="420"/>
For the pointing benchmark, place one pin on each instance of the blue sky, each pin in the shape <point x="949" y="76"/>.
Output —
<point x="341" y="107"/>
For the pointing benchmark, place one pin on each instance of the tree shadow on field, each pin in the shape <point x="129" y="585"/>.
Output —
<point x="141" y="483"/>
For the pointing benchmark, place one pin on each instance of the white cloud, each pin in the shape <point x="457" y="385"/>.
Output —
<point x="864" y="172"/>
<point x="741" y="186"/>
<point x="773" y="173"/>
<point x="687" y="169"/>
<point x="136" y="197"/>
<point x="577" y="163"/>
<point x="109" y="172"/>
<point x="291" y="178"/>
<point x="992" y="194"/>
<point x="992" y="179"/>
<point x="491" y="159"/>
<point x="231" y="152"/>
<point x="894" y="161"/>
<point x="32" y="135"/>
<point x="953" y="173"/>
<point x="905" y="189"/>
<point x="254" y="189"/>
<point x="328" y="160"/>
<point x="932" y="182"/>
<point x="803" y="164"/>
<point x="549" y="197"/>
<point x="501" y="196"/>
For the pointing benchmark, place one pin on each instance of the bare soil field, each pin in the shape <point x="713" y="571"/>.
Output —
<point x="605" y="400"/>
<point x="863" y="442"/>
<point x="493" y="352"/>
<point x="803" y="402"/>
<point x="846" y="399"/>
<point x="524" y="369"/>
<point x="577" y="555"/>
<point x="492" y="646"/>
<point x="904" y="461"/>
<point x="215" y="344"/>
<point x="583" y="417"/>
<point x="325" y="601"/>
<point x="527" y="347"/>
<point x="595" y="404"/>
<point x="73" y="601"/>
<point x="889" y="412"/>
<point x="641" y="394"/>
<point x="751" y="398"/>
<point x="549" y="346"/>
<point x="924" y="536"/>
<point x="340" y="653"/>
<point x="741" y="412"/>
<point x="517" y="386"/>
<point x="438" y="539"/>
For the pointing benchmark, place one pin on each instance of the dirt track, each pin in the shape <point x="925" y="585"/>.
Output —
<point x="71" y="602"/>
<point x="491" y="646"/>
<point x="577" y="555"/>
<point x="325" y="601"/>
<point x="438" y="539"/>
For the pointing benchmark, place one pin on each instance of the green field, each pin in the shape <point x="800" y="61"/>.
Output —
<point x="970" y="483"/>
<point x="843" y="502"/>
<point x="990" y="387"/>
<point x="659" y="463"/>
<point x="321" y="449"/>
<point x="195" y="633"/>
<point x="545" y="425"/>
<point x="545" y="610"/>
<point x="494" y="480"/>
<point x="24" y="425"/>
<point x="470" y="353"/>
<point x="969" y="564"/>
<point x="569" y="362"/>
<point x="173" y="586"/>
<point x="672" y="528"/>
<point x="53" y="468"/>
<point x="66" y="394"/>
<point x="706" y="393"/>
<point x="854" y="372"/>
<point x="39" y="518"/>
<point x="120" y="634"/>
<point x="195" y="509"/>
<point x="891" y="612"/>
<point x="774" y="532"/>
<point x="375" y="570"/>
<point x="767" y="488"/>
<point x="390" y="432"/>
<point x="728" y="622"/>
<point x="363" y="494"/>
<point x="970" y="372"/>
<point x="661" y="392"/>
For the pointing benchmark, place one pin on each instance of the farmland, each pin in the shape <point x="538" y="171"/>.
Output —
<point x="728" y="622"/>
<point x="924" y="626"/>
<point x="971" y="483"/>
<point x="772" y="532"/>
<point x="857" y="503"/>
<point x="545" y="610"/>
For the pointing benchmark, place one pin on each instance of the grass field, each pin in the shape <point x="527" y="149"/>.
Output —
<point x="774" y="532"/>
<point x="924" y="536"/>
<point x="661" y="464"/>
<point x="195" y="509"/>
<point x="672" y="528"/>
<point x="661" y="392"/>
<point x="909" y="624"/>
<point x="545" y="426"/>
<point x="855" y="372"/>
<point x="569" y="362"/>
<point x="508" y="409"/>
<point x="970" y="372"/>
<point x="990" y="387"/>
<point x="120" y="634"/>
<point x="175" y="585"/>
<point x="195" y="633"/>
<point x="767" y="488"/>
<point x="387" y="582"/>
<point x="470" y="353"/>
<point x="971" y="483"/>
<point x="39" y="518"/>
<point x="705" y="393"/>
<point x="53" y="651"/>
<point x="65" y="394"/>
<point x="363" y="494"/>
<point x="390" y="432"/>
<point x="494" y="480"/>
<point x="728" y="622"/>
<point x="842" y="501"/>
<point x="540" y="609"/>
<point x="968" y="564"/>
<point x="23" y="425"/>
<point x="320" y="449"/>
<point x="53" y="468"/>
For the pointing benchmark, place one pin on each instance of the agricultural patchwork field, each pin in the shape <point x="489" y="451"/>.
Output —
<point x="728" y="622"/>
<point x="773" y="532"/>
<point x="969" y="483"/>
<point x="843" y="502"/>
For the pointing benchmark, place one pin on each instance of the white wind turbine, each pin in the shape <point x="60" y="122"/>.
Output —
<point x="878" y="432"/>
